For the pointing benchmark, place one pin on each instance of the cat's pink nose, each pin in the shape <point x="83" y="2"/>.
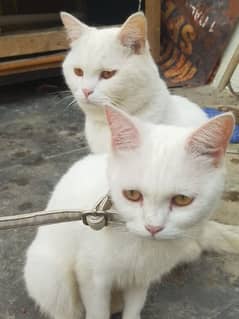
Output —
<point x="153" y="229"/>
<point x="87" y="92"/>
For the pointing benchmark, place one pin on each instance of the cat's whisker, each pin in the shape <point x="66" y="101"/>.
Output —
<point x="63" y="99"/>
<point x="65" y="91"/>
<point x="66" y="95"/>
<point x="118" y="226"/>
<point x="103" y="102"/>
<point x="116" y="100"/>
<point x="70" y="104"/>
<point x="119" y="105"/>
<point x="60" y="92"/>
<point x="112" y="99"/>
<point x="119" y="230"/>
<point x="187" y="235"/>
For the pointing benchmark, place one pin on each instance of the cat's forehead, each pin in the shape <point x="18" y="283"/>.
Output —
<point x="161" y="146"/>
<point x="98" y="47"/>
<point x="161" y="166"/>
<point x="165" y="137"/>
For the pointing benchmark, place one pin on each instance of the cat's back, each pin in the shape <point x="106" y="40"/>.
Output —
<point x="80" y="188"/>
<point x="183" y="112"/>
<point x="82" y="185"/>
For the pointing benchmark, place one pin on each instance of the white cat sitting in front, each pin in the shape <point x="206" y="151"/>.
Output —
<point x="165" y="182"/>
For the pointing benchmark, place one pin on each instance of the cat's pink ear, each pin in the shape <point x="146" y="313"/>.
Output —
<point x="74" y="27"/>
<point x="133" y="33"/>
<point x="212" y="138"/>
<point x="124" y="133"/>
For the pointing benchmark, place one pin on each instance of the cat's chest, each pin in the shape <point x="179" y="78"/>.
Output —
<point x="98" y="136"/>
<point x="125" y="260"/>
<point x="143" y="263"/>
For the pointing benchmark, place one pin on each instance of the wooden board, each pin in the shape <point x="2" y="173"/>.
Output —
<point x="153" y="11"/>
<point x="32" y="64"/>
<point x="33" y="42"/>
<point x="228" y="63"/>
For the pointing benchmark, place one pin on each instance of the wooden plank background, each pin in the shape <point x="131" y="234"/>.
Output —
<point x="33" y="42"/>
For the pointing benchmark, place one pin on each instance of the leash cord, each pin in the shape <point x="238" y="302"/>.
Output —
<point x="96" y="218"/>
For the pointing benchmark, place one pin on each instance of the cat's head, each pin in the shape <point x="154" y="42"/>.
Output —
<point x="106" y="66"/>
<point x="165" y="180"/>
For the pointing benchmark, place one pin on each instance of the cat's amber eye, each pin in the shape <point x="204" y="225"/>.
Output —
<point x="182" y="200"/>
<point x="78" y="71"/>
<point x="133" y="195"/>
<point x="107" y="74"/>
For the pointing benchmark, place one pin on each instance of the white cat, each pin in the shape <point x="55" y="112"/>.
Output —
<point x="71" y="271"/>
<point x="113" y="66"/>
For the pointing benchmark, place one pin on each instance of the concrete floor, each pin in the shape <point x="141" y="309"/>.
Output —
<point x="40" y="138"/>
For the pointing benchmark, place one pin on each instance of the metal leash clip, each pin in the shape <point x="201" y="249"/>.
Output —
<point x="98" y="218"/>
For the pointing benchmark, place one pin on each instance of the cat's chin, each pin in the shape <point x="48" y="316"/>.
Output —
<point x="143" y="235"/>
<point x="84" y="102"/>
<point x="159" y="237"/>
<point x="89" y="105"/>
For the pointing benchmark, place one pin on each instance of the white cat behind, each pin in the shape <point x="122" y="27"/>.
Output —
<point x="113" y="66"/>
<point x="166" y="204"/>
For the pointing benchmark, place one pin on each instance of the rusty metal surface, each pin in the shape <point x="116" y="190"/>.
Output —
<point x="194" y="36"/>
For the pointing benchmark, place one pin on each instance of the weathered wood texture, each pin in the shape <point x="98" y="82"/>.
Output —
<point x="19" y="19"/>
<point x="33" y="42"/>
<point x="153" y="11"/>
<point x="228" y="63"/>
<point x="31" y="64"/>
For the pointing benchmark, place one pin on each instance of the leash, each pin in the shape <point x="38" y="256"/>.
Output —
<point x="97" y="218"/>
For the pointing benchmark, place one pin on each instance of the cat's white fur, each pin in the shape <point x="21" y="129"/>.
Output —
<point x="135" y="88"/>
<point x="71" y="269"/>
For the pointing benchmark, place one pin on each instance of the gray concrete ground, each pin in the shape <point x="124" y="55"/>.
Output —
<point x="40" y="137"/>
